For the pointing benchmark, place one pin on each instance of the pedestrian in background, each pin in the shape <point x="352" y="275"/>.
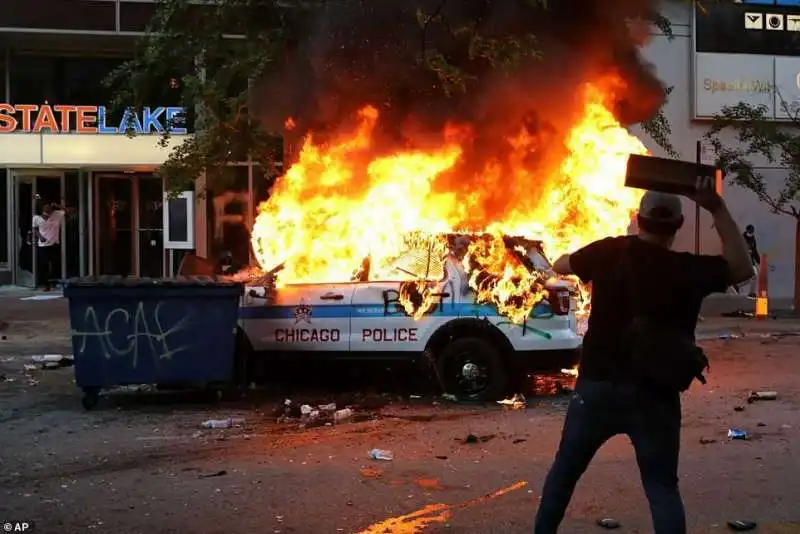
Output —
<point x="47" y="236"/>
<point x="642" y="292"/>
<point x="755" y="257"/>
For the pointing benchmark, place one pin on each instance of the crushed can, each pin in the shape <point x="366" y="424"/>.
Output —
<point x="736" y="433"/>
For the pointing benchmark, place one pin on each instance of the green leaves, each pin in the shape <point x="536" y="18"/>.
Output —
<point x="758" y="141"/>
<point x="659" y="130"/>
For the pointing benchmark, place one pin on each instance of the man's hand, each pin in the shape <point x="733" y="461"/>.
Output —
<point x="706" y="194"/>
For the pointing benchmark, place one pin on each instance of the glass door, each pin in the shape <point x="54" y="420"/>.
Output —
<point x="129" y="235"/>
<point x="31" y="194"/>
<point x="114" y="225"/>
<point x="151" y="226"/>
<point x="23" y="249"/>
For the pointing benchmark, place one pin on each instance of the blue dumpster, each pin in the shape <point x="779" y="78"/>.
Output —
<point x="145" y="331"/>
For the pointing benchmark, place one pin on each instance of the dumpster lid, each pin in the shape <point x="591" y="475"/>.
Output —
<point x="135" y="281"/>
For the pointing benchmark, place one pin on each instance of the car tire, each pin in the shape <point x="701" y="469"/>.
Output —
<point x="453" y="369"/>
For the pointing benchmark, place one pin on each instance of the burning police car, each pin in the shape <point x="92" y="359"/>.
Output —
<point x="455" y="313"/>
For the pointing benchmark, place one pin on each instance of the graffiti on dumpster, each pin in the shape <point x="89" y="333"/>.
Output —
<point x="148" y="334"/>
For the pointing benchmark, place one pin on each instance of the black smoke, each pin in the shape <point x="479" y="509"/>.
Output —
<point x="357" y="52"/>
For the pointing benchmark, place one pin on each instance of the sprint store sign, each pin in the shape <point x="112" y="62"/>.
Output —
<point x="728" y="79"/>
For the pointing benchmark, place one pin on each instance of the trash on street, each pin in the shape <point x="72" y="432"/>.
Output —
<point x="736" y="433"/>
<point x="341" y="416"/>
<point x="223" y="423"/>
<point x="762" y="395"/>
<point x="379" y="454"/>
<point x="741" y="526"/>
<point x="514" y="403"/>
<point x="608" y="523"/>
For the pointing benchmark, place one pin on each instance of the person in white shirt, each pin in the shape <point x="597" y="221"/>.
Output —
<point x="47" y="231"/>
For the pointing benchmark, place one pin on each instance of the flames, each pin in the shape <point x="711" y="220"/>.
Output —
<point x="346" y="208"/>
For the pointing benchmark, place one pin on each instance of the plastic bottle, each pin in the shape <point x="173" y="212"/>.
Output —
<point x="342" y="415"/>
<point x="379" y="454"/>
<point x="223" y="423"/>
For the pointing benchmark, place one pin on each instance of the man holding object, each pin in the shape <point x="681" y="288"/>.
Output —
<point x="47" y="233"/>
<point x="609" y="397"/>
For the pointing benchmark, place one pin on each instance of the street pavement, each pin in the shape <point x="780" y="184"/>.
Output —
<point x="141" y="463"/>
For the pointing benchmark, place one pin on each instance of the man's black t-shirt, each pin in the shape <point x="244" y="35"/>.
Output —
<point x="671" y="285"/>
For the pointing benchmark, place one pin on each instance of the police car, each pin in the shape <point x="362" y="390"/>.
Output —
<point x="475" y="352"/>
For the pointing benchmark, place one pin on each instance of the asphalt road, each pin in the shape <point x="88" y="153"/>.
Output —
<point x="141" y="463"/>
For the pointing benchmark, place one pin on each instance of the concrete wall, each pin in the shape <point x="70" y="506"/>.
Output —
<point x="775" y="233"/>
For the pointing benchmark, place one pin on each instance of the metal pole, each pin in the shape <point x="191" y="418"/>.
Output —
<point x="697" y="206"/>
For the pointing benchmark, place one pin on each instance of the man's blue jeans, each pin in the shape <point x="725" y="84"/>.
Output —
<point x="599" y="411"/>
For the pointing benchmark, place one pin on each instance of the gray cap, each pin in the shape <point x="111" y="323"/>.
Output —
<point x="658" y="206"/>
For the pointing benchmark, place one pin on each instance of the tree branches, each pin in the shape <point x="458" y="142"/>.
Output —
<point x="759" y="137"/>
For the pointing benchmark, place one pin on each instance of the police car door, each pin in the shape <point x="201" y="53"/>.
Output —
<point x="307" y="318"/>
<point x="379" y="322"/>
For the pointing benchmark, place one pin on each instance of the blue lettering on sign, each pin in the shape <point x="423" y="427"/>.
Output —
<point x="150" y="122"/>
<point x="102" y="127"/>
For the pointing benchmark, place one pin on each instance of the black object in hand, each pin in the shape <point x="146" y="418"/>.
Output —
<point x="665" y="175"/>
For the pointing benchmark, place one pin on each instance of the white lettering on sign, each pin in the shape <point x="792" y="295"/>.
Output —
<point x="737" y="86"/>
<point x="793" y="23"/>
<point x="307" y="335"/>
<point x="389" y="335"/>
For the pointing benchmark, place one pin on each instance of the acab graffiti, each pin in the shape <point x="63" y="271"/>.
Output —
<point x="147" y="333"/>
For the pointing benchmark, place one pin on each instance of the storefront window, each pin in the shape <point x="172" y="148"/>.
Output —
<point x="34" y="80"/>
<point x="227" y="214"/>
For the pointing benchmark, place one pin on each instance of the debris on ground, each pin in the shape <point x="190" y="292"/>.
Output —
<point x="729" y="336"/>
<point x="223" y="423"/>
<point x="53" y="361"/>
<point x="219" y="473"/>
<point x="441" y="457"/>
<point x="29" y="367"/>
<point x="449" y="397"/>
<point x="371" y="472"/>
<point x="311" y="416"/>
<point x="608" y="523"/>
<point x="740" y="313"/>
<point x="472" y="439"/>
<point x="514" y="403"/>
<point x="762" y="395"/>
<point x="738" y="408"/>
<point x="340" y="416"/>
<point x="737" y="433"/>
<point x="741" y="526"/>
<point x="707" y="441"/>
<point x="518" y="441"/>
<point x="379" y="454"/>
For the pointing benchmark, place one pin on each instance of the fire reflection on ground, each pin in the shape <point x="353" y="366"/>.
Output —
<point x="416" y="522"/>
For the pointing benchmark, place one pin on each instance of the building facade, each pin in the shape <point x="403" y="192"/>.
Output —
<point x="725" y="54"/>
<point x="57" y="140"/>
<point x="60" y="142"/>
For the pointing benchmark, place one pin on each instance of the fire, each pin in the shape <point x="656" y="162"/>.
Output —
<point x="345" y="205"/>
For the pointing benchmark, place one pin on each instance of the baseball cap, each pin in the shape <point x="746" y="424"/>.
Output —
<point x="661" y="207"/>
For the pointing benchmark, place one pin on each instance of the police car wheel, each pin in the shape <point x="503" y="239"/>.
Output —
<point x="471" y="368"/>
